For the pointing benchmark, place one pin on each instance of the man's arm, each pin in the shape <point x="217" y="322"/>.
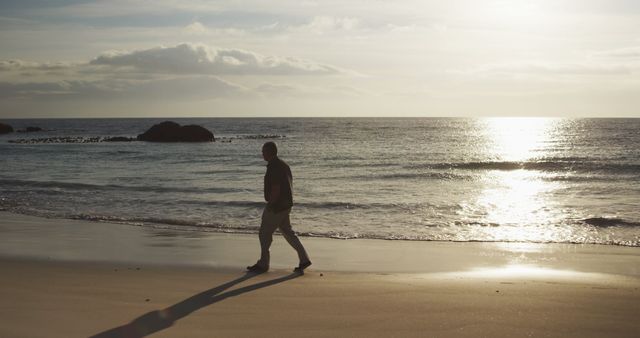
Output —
<point x="274" y="195"/>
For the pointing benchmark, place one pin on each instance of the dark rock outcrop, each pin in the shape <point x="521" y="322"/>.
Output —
<point x="5" y="128"/>
<point x="118" y="139"/>
<point x="169" y="131"/>
<point x="30" y="130"/>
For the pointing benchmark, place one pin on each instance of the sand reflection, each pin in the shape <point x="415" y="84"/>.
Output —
<point x="528" y="272"/>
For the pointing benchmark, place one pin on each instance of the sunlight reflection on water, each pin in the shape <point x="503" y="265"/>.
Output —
<point x="517" y="202"/>
<point x="517" y="139"/>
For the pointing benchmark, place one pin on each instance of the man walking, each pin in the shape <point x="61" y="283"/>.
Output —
<point x="278" y="183"/>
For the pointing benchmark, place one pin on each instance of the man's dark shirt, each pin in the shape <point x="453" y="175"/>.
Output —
<point x="278" y="173"/>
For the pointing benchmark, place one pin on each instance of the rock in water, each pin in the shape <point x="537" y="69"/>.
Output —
<point x="162" y="132"/>
<point x="30" y="130"/>
<point x="195" y="133"/>
<point x="169" y="131"/>
<point x="5" y="128"/>
<point x="118" y="139"/>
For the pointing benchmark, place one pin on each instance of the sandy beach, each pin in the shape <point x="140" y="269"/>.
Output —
<point x="65" y="278"/>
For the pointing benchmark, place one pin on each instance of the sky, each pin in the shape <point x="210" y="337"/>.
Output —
<point x="235" y="58"/>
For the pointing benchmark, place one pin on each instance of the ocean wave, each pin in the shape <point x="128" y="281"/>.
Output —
<point x="87" y="186"/>
<point x="428" y="175"/>
<point x="328" y="205"/>
<point x="159" y="221"/>
<point x="216" y="171"/>
<point x="350" y="205"/>
<point x="402" y="175"/>
<point x="193" y="225"/>
<point x="251" y="137"/>
<point x="541" y="165"/>
<point x="609" y="222"/>
<point x="206" y="226"/>
<point x="242" y="204"/>
<point x="121" y="152"/>
<point x="413" y="238"/>
<point x="256" y="204"/>
<point x="579" y="178"/>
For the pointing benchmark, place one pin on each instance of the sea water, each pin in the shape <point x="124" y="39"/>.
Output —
<point x="445" y="179"/>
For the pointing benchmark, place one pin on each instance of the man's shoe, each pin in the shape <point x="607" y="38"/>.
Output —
<point x="257" y="268"/>
<point x="302" y="266"/>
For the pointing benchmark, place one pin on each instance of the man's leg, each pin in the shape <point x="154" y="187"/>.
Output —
<point x="290" y="236"/>
<point x="268" y="225"/>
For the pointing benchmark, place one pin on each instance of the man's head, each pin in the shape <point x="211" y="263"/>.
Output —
<point x="269" y="151"/>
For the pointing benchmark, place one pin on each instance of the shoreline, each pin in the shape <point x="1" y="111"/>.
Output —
<point x="179" y="227"/>
<point x="47" y="239"/>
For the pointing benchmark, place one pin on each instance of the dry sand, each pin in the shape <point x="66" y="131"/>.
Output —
<point x="354" y="288"/>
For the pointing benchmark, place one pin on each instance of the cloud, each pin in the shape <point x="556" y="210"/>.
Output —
<point x="557" y="69"/>
<point x="32" y="89"/>
<point x="21" y="65"/>
<point x="196" y="28"/>
<point x="623" y="53"/>
<point x="325" y="24"/>
<point x="352" y="26"/>
<point x="277" y="90"/>
<point x="201" y="59"/>
<point x="270" y="90"/>
<point x="200" y="87"/>
<point x="187" y="71"/>
<point x="184" y="71"/>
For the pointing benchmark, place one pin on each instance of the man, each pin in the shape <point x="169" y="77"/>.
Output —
<point x="277" y="192"/>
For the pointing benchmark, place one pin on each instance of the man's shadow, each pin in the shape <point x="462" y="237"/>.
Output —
<point x="158" y="320"/>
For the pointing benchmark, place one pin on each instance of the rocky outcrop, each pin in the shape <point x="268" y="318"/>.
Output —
<point x="169" y="131"/>
<point x="5" y="128"/>
<point x="30" y="130"/>
<point x="119" y="139"/>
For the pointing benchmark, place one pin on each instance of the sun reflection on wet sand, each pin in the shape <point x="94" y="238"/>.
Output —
<point x="529" y="272"/>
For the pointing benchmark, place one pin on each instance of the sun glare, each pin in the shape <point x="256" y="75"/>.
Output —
<point x="516" y="139"/>
<point x="514" y="13"/>
<point x="514" y="198"/>
<point x="528" y="271"/>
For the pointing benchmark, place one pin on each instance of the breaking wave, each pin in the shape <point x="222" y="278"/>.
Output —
<point x="98" y="187"/>
<point x="538" y="165"/>
<point x="609" y="222"/>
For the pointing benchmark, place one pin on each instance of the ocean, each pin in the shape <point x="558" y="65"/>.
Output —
<point x="542" y="180"/>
